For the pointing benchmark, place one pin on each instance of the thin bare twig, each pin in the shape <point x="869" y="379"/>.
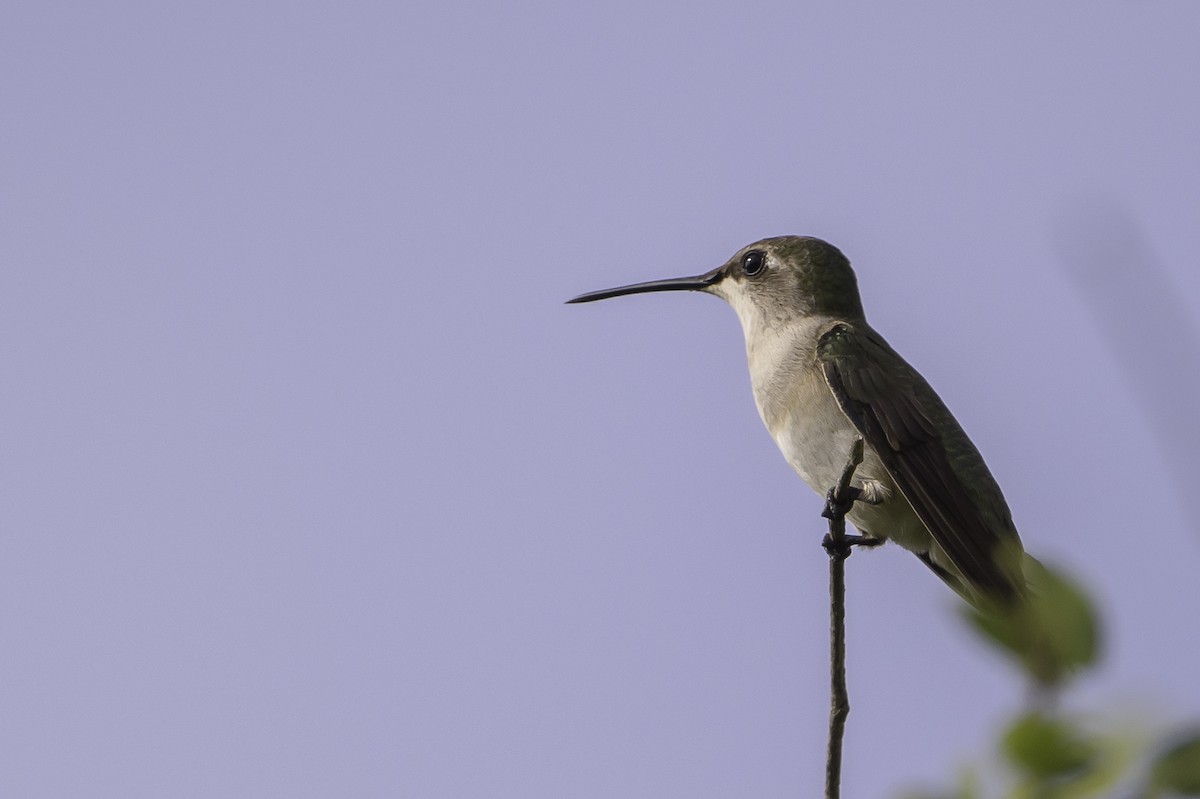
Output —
<point x="838" y="502"/>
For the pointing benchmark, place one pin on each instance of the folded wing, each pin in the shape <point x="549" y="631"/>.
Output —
<point x="931" y="460"/>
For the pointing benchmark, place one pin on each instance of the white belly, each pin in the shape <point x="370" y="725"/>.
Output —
<point x="815" y="437"/>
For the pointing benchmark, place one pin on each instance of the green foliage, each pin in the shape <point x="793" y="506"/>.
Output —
<point x="1046" y="748"/>
<point x="1178" y="768"/>
<point x="1053" y="636"/>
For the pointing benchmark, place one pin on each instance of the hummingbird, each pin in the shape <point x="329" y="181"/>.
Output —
<point x="822" y="377"/>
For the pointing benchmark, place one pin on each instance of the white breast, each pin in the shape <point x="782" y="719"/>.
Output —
<point x="794" y="401"/>
<point x="815" y="436"/>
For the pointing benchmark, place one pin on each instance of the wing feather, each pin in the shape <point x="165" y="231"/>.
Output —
<point x="942" y="477"/>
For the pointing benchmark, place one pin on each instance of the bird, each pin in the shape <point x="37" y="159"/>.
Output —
<point x="822" y="377"/>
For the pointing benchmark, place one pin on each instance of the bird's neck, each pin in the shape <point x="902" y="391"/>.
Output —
<point x="780" y="357"/>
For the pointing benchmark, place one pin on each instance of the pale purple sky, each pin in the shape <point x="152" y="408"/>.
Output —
<point x="311" y="486"/>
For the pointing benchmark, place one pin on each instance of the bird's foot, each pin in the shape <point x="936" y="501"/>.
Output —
<point x="838" y="507"/>
<point x="870" y="493"/>
<point x="846" y="543"/>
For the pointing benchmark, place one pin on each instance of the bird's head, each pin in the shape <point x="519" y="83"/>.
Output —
<point x="770" y="283"/>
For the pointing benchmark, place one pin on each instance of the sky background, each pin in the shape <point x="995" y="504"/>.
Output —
<point x="311" y="485"/>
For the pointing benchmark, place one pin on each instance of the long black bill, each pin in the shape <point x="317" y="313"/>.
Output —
<point x="673" y="284"/>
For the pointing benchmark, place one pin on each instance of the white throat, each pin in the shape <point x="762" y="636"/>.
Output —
<point x="780" y="349"/>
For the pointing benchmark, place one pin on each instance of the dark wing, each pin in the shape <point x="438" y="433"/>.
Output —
<point x="941" y="475"/>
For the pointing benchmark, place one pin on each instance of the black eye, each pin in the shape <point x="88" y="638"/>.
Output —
<point x="754" y="262"/>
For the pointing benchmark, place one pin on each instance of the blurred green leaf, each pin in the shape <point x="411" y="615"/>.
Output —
<point x="1045" y="748"/>
<point x="1053" y="633"/>
<point x="1178" y="769"/>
